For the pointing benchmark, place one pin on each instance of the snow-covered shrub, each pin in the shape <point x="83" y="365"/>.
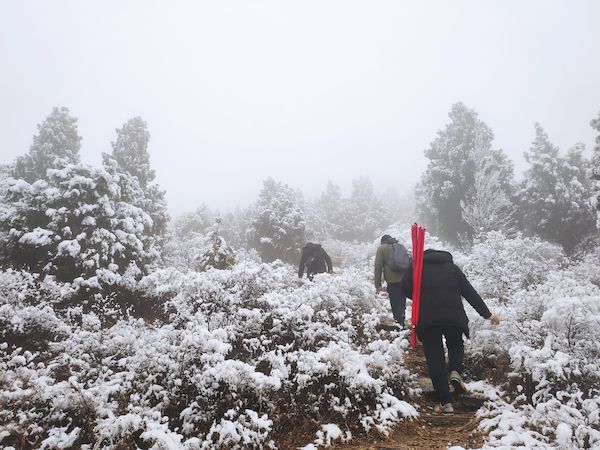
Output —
<point x="232" y="352"/>
<point x="73" y="224"/>
<point x="552" y="389"/>
<point x="499" y="265"/>
<point x="27" y="317"/>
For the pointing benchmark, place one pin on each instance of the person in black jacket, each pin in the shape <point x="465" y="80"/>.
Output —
<point x="315" y="260"/>
<point x="442" y="314"/>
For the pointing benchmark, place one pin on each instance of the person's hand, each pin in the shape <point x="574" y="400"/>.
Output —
<point x="494" y="319"/>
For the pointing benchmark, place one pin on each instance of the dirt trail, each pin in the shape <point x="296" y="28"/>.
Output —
<point x="430" y="431"/>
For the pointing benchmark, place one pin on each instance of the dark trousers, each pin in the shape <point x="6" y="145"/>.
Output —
<point x="436" y="361"/>
<point x="397" y="301"/>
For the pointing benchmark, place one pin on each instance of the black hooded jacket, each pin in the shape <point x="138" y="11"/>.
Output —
<point x="442" y="286"/>
<point x="315" y="259"/>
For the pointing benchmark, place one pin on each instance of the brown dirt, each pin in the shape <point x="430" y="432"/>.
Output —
<point x="429" y="431"/>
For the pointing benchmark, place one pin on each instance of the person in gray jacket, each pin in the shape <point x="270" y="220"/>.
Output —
<point x="393" y="279"/>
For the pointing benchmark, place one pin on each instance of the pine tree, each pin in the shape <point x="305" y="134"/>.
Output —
<point x="130" y="155"/>
<point x="448" y="184"/>
<point x="56" y="144"/>
<point x="328" y="212"/>
<point x="279" y="227"/>
<point x="594" y="172"/>
<point x="365" y="214"/>
<point x="553" y="199"/>
<point x="130" y="150"/>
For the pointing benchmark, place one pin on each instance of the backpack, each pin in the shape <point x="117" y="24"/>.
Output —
<point x="397" y="259"/>
<point x="316" y="262"/>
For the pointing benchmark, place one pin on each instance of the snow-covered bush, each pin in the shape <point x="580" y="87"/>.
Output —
<point x="238" y="358"/>
<point x="552" y="384"/>
<point x="499" y="265"/>
<point x="27" y="316"/>
<point x="73" y="224"/>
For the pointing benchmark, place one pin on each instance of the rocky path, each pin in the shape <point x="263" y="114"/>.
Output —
<point x="431" y="431"/>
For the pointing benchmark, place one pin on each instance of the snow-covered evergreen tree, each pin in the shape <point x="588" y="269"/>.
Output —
<point x="130" y="150"/>
<point x="594" y="172"/>
<point x="364" y="214"/>
<point x="217" y="254"/>
<point x="56" y="144"/>
<point x="554" y="195"/>
<point x="73" y="224"/>
<point x="448" y="184"/>
<point x="130" y="155"/>
<point x="278" y="227"/>
<point x="327" y="215"/>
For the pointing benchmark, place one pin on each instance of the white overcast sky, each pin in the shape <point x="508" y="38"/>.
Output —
<point x="303" y="91"/>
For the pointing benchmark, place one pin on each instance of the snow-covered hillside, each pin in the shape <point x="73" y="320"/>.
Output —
<point x="253" y="357"/>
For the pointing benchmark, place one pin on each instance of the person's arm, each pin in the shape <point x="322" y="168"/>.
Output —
<point x="378" y="267"/>
<point x="407" y="282"/>
<point x="471" y="295"/>
<point x="328" y="262"/>
<point x="302" y="263"/>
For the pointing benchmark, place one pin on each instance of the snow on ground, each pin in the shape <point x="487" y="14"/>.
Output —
<point x="237" y="358"/>
<point x="242" y="358"/>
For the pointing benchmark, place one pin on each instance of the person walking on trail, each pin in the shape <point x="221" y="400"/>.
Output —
<point x="442" y="314"/>
<point x="393" y="260"/>
<point x="314" y="260"/>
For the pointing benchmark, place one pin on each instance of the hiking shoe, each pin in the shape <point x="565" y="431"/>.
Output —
<point x="457" y="383"/>
<point x="446" y="408"/>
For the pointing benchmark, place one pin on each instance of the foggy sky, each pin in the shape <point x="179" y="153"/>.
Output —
<point x="303" y="91"/>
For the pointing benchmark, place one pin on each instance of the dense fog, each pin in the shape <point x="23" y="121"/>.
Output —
<point x="170" y="172"/>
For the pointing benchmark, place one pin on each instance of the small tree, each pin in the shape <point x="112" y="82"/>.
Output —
<point x="56" y="144"/>
<point x="218" y="255"/>
<point x="279" y="228"/>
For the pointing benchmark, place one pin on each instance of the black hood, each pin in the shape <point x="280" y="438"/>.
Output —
<point x="437" y="256"/>
<point x="312" y="246"/>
